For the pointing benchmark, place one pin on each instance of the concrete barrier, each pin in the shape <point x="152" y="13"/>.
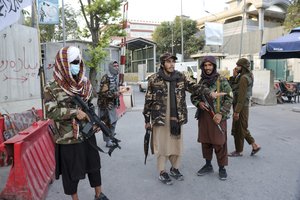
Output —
<point x="128" y="98"/>
<point x="263" y="89"/>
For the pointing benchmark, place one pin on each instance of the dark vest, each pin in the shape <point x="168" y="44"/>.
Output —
<point x="235" y="88"/>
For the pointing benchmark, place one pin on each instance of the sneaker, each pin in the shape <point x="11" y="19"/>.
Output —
<point x="205" y="170"/>
<point x="176" y="174"/>
<point x="101" y="197"/>
<point x="164" y="178"/>
<point x="109" y="143"/>
<point x="222" y="174"/>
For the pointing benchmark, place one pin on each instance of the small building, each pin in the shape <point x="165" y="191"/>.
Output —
<point x="141" y="59"/>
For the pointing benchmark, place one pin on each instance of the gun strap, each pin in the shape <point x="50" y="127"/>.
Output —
<point x="111" y="149"/>
<point x="96" y="147"/>
<point x="218" y="98"/>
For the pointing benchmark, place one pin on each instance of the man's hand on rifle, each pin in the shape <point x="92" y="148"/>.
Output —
<point x="147" y="126"/>
<point x="236" y="116"/>
<point x="214" y="95"/>
<point x="81" y="115"/>
<point x="217" y="118"/>
<point x="96" y="128"/>
<point x="203" y="106"/>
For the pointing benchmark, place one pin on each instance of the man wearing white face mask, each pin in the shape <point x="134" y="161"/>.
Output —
<point x="74" y="67"/>
<point x="74" y="155"/>
<point x="108" y="98"/>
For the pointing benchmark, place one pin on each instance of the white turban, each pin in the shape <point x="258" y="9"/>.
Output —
<point x="73" y="54"/>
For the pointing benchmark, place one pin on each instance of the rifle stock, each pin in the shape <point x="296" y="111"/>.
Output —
<point x="87" y="130"/>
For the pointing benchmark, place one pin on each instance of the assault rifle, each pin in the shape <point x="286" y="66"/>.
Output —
<point x="211" y="112"/>
<point x="88" y="128"/>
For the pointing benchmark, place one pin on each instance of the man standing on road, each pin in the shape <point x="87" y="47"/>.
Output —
<point x="212" y="115"/>
<point x="242" y="91"/>
<point x="108" y="99"/>
<point x="165" y="111"/>
<point x="74" y="154"/>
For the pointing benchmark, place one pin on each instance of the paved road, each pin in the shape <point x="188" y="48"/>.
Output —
<point x="273" y="174"/>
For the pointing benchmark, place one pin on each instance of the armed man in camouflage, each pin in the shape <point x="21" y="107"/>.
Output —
<point x="165" y="111"/>
<point x="75" y="156"/>
<point x="242" y="91"/>
<point x="212" y="115"/>
<point x="108" y="98"/>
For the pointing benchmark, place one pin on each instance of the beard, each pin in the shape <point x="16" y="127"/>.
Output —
<point x="208" y="72"/>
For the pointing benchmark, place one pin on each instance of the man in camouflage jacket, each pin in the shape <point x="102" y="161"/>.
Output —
<point x="108" y="98"/>
<point x="212" y="115"/>
<point x="74" y="155"/>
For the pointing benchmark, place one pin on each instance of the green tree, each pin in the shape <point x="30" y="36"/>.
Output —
<point x="103" y="21"/>
<point x="292" y="19"/>
<point x="72" y="30"/>
<point x="164" y="33"/>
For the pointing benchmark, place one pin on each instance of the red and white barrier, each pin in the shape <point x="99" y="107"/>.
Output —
<point x="122" y="108"/>
<point x="33" y="163"/>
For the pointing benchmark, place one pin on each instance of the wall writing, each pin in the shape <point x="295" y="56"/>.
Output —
<point x="18" y="64"/>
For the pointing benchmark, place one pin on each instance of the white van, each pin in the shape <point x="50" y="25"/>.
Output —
<point x="189" y="68"/>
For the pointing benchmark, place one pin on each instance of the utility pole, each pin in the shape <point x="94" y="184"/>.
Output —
<point x="181" y="24"/>
<point x="63" y="22"/>
<point x="172" y="43"/>
<point x="123" y="42"/>
<point x="242" y="29"/>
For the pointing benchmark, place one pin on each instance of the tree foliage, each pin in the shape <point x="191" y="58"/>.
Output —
<point x="72" y="30"/>
<point x="103" y="21"/>
<point x="292" y="19"/>
<point x="167" y="30"/>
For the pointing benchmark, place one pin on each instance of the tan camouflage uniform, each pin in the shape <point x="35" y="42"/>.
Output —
<point x="156" y="96"/>
<point x="62" y="111"/>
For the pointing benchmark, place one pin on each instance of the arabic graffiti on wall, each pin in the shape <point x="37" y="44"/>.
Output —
<point x="19" y="64"/>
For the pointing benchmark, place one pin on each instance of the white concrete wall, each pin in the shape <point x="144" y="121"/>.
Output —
<point x="263" y="89"/>
<point x="19" y="66"/>
<point x="295" y="64"/>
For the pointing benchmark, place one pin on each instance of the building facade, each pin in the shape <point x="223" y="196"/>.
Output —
<point x="247" y="25"/>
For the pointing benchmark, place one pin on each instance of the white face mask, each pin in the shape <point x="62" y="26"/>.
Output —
<point x="75" y="68"/>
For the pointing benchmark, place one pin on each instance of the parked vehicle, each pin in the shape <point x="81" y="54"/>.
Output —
<point x="143" y="84"/>
<point x="189" y="68"/>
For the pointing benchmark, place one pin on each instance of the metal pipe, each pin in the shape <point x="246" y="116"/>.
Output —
<point x="181" y="24"/>
<point x="172" y="43"/>
<point x="242" y="29"/>
<point x="63" y="22"/>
